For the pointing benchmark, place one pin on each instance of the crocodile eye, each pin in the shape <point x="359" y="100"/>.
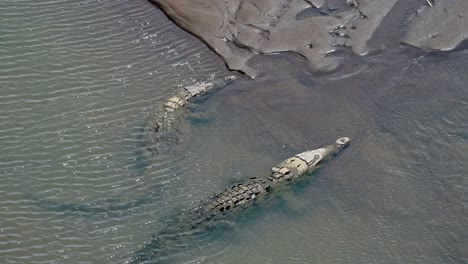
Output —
<point x="343" y="141"/>
<point x="317" y="159"/>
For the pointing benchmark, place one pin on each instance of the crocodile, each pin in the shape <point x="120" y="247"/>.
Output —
<point x="238" y="199"/>
<point x="163" y="131"/>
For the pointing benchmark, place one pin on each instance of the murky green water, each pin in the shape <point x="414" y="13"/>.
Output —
<point x="79" y="79"/>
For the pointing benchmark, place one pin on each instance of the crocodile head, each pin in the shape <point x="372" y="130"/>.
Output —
<point x="306" y="162"/>
<point x="315" y="158"/>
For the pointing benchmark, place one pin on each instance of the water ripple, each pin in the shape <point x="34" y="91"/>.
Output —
<point x="78" y="80"/>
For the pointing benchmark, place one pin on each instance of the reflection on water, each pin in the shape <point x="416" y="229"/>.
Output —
<point x="78" y="81"/>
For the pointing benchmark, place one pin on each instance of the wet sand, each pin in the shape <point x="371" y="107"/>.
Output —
<point x="239" y="30"/>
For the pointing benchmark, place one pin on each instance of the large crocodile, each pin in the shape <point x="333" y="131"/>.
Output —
<point x="238" y="199"/>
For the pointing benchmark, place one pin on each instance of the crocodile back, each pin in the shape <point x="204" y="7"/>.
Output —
<point x="236" y="198"/>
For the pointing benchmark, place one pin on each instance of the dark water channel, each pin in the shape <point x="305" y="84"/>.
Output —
<point x="78" y="81"/>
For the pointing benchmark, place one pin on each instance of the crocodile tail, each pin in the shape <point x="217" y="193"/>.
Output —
<point x="160" y="244"/>
<point x="149" y="252"/>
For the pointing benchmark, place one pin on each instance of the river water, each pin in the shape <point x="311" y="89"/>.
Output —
<point x="78" y="81"/>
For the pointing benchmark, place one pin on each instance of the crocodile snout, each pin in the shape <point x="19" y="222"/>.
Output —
<point x="343" y="141"/>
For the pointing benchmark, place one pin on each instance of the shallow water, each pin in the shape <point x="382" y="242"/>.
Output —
<point x="397" y="195"/>
<point x="79" y="80"/>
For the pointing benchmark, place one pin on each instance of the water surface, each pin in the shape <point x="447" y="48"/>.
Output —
<point x="79" y="80"/>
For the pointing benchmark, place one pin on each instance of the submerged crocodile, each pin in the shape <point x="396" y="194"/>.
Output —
<point x="164" y="130"/>
<point x="238" y="199"/>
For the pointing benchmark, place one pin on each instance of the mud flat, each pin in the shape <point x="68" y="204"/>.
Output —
<point x="238" y="30"/>
<point x="441" y="27"/>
